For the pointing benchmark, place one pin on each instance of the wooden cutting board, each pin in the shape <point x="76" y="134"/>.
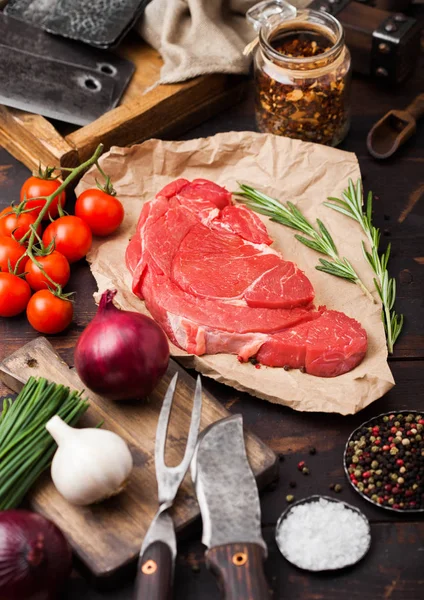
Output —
<point x="107" y="537"/>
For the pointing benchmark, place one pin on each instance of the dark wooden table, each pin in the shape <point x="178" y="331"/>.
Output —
<point x="393" y="569"/>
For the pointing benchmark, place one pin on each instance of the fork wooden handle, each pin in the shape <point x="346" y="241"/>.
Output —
<point x="240" y="572"/>
<point x="154" y="573"/>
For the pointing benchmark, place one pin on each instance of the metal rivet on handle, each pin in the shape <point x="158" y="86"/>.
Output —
<point x="239" y="559"/>
<point x="149" y="567"/>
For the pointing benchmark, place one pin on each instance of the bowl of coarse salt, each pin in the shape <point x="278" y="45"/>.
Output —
<point x="320" y="533"/>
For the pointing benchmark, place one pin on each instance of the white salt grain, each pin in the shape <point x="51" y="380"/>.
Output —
<point x="322" y="535"/>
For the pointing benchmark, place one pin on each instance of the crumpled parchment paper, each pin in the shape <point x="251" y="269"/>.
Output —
<point x="287" y="169"/>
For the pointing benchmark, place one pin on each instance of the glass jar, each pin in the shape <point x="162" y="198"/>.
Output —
<point x="302" y="73"/>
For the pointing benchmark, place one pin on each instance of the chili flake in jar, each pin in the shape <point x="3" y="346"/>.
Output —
<point x="302" y="79"/>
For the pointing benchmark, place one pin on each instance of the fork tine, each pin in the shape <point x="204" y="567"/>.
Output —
<point x="162" y="428"/>
<point x="194" y="428"/>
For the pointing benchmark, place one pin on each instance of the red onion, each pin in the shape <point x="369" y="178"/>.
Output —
<point x="121" y="354"/>
<point x="35" y="558"/>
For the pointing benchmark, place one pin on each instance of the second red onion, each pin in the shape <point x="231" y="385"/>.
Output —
<point x="35" y="558"/>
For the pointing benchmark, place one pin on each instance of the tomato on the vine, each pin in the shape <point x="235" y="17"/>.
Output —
<point x="72" y="237"/>
<point x="54" y="264"/>
<point x="11" y="251"/>
<point x="42" y="186"/>
<point x="48" y="313"/>
<point x="101" y="211"/>
<point x="14" y="221"/>
<point x="14" y="295"/>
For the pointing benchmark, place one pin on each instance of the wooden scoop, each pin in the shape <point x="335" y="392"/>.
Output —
<point x="394" y="129"/>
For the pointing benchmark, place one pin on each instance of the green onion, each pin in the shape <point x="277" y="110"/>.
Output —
<point x="26" y="447"/>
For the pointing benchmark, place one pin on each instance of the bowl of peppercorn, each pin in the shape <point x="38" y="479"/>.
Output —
<point x="384" y="461"/>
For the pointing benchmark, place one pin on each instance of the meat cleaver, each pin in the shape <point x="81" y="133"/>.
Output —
<point x="229" y="504"/>
<point x="58" y="78"/>
<point x="95" y="22"/>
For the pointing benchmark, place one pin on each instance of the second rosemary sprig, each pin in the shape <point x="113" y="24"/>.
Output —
<point x="317" y="238"/>
<point x="351" y="204"/>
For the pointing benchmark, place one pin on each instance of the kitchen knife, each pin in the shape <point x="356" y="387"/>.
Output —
<point x="98" y="23"/>
<point x="20" y="36"/>
<point x="229" y="504"/>
<point x="50" y="88"/>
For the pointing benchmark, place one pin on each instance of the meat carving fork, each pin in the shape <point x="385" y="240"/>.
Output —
<point x="155" y="570"/>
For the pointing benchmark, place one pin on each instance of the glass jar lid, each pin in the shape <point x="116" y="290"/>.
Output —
<point x="276" y="18"/>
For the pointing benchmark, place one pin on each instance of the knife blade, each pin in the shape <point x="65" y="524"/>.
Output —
<point x="21" y="37"/>
<point x="231" y="514"/>
<point x="59" y="91"/>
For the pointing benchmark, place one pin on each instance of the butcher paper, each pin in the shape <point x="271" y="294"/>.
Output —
<point x="287" y="169"/>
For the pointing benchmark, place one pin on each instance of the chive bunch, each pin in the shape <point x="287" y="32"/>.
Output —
<point x="26" y="447"/>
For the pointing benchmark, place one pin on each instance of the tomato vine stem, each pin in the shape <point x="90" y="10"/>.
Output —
<point x="32" y="232"/>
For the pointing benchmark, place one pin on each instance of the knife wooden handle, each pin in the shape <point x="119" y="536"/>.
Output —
<point x="154" y="573"/>
<point x="239" y="568"/>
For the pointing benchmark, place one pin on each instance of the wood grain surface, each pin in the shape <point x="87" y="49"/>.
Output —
<point x="240" y="572"/>
<point x="393" y="569"/>
<point x="154" y="579"/>
<point x="107" y="536"/>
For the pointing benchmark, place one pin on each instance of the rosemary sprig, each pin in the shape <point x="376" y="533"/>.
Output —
<point x="318" y="239"/>
<point x="26" y="447"/>
<point x="351" y="205"/>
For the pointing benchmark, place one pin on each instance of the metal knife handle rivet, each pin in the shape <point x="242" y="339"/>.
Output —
<point x="149" y="567"/>
<point x="239" y="559"/>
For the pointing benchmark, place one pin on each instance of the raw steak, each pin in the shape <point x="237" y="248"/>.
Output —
<point x="207" y="273"/>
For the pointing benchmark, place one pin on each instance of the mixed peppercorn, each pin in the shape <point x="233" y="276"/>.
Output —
<point x="385" y="460"/>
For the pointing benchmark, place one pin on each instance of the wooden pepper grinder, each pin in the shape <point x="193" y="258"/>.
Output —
<point x="394" y="129"/>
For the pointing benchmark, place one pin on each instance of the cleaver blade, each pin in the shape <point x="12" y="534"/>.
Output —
<point x="231" y="515"/>
<point x="32" y="40"/>
<point x="50" y="88"/>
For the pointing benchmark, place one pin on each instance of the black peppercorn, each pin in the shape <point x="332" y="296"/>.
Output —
<point x="384" y="461"/>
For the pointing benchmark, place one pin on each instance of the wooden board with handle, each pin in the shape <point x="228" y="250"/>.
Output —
<point x="107" y="536"/>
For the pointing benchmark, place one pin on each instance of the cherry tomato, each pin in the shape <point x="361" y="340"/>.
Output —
<point x="49" y="314"/>
<point x="72" y="237"/>
<point x="55" y="265"/>
<point x="35" y="187"/>
<point x="101" y="211"/>
<point x="10" y="250"/>
<point x="14" y="295"/>
<point x="16" y="224"/>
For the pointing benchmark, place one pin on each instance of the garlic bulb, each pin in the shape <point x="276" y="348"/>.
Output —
<point x="90" y="464"/>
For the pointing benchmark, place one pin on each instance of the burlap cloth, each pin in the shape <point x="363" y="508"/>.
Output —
<point x="195" y="37"/>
